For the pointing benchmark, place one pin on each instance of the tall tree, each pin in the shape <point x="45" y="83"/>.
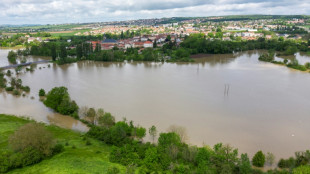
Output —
<point x="63" y="51"/>
<point x="153" y="132"/>
<point x="79" y="51"/>
<point x="53" y="52"/>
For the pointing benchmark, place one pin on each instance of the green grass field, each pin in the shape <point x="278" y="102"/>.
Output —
<point x="69" y="33"/>
<point x="76" y="158"/>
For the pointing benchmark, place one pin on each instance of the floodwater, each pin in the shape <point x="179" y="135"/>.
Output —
<point x="4" y="61"/>
<point x="265" y="107"/>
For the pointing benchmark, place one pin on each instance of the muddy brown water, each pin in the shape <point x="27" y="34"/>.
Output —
<point x="266" y="107"/>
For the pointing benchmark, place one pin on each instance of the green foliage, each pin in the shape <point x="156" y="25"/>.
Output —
<point x="288" y="163"/>
<point x="41" y="92"/>
<point x="113" y="170"/>
<point x="302" y="170"/>
<point x="168" y="139"/>
<point x="16" y="92"/>
<point x="267" y="57"/>
<point x="153" y="132"/>
<point x="106" y="120"/>
<point x="259" y="159"/>
<point x="82" y="159"/>
<point x="295" y="65"/>
<point x="12" y="57"/>
<point x="245" y="164"/>
<point x="59" y="100"/>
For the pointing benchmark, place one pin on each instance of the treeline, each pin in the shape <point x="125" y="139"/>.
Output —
<point x="63" y="52"/>
<point x="197" y="43"/>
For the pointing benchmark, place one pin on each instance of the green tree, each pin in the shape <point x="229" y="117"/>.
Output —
<point x="106" y="120"/>
<point x="41" y="92"/>
<point x="259" y="159"/>
<point x="63" y="52"/>
<point x="91" y="114"/>
<point x="12" y="57"/>
<point x="55" y="97"/>
<point x="140" y="132"/>
<point x="53" y="52"/>
<point x="167" y="139"/>
<point x="151" y="160"/>
<point x="245" y="164"/>
<point x="79" y="51"/>
<point x="153" y="132"/>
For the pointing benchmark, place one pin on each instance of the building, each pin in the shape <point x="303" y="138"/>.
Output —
<point x="148" y="44"/>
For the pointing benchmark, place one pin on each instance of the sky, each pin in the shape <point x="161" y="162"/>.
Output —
<point x="80" y="11"/>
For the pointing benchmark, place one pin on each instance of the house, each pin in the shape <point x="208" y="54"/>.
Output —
<point x="148" y="44"/>
<point x="32" y="39"/>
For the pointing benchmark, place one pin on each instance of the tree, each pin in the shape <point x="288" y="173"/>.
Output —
<point x="55" y="97"/>
<point x="79" y="51"/>
<point x="245" y="164"/>
<point x="59" y="100"/>
<point x="63" y="52"/>
<point x="259" y="159"/>
<point x="168" y="38"/>
<point x="12" y="57"/>
<point x="91" y="114"/>
<point x="33" y="136"/>
<point x="153" y="132"/>
<point x="106" y="120"/>
<point x="151" y="159"/>
<point x="155" y="44"/>
<point x="140" y="132"/>
<point x="53" y="52"/>
<point x="270" y="158"/>
<point x="180" y="130"/>
<point x="42" y="92"/>
<point x="167" y="139"/>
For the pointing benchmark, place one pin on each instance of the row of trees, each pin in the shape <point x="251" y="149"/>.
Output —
<point x="197" y="43"/>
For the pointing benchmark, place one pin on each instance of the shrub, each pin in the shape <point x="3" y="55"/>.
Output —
<point x="259" y="159"/>
<point x="16" y="92"/>
<point x="26" y="88"/>
<point x="58" y="148"/>
<point x="34" y="136"/>
<point x="113" y="170"/>
<point x="10" y="88"/>
<point x="42" y="92"/>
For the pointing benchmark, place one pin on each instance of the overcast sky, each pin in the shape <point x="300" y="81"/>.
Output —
<point x="72" y="11"/>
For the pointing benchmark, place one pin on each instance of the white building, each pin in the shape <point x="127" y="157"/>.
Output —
<point x="148" y="44"/>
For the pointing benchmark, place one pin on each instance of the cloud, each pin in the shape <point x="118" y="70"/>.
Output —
<point x="67" y="11"/>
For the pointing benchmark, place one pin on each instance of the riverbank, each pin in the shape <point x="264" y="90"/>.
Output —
<point x="77" y="157"/>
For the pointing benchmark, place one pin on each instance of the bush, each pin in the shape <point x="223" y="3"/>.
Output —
<point x="113" y="170"/>
<point x="34" y="136"/>
<point x="259" y="159"/>
<point x="10" y="88"/>
<point x="26" y="88"/>
<point x="58" y="148"/>
<point x="16" y="92"/>
<point x="42" y="92"/>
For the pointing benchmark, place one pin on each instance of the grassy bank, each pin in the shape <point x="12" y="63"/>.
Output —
<point x="78" y="157"/>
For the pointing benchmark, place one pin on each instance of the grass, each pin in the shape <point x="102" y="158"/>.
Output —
<point x="72" y="33"/>
<point x="76" y="158"/>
